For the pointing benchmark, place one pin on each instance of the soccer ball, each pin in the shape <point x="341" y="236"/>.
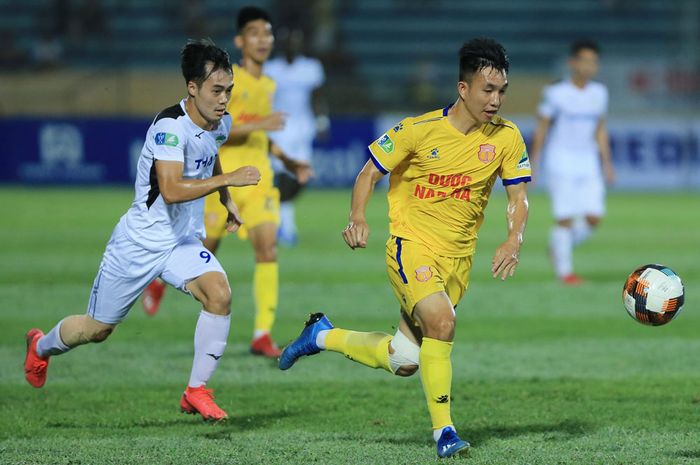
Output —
<point x="653" y="295"/>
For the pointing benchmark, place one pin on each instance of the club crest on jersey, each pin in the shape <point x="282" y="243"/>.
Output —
<point x="423" y="273"/>
<point x="434" y="154"/>
<point x="487" y="153"/>
<point x="386" y="144"/>
<point x="166" y="138"/>
<point x="220" y="140"/>
<point x="398" y="127"/>
<point x="524" y="163"/>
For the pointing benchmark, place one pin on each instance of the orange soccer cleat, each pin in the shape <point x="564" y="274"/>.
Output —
<point x="265" y="346"/>
<point x="152" y="296"/>
<point x="201" y="400"/>
<point x="35" y="367"/>
<point x="571" y="279"/>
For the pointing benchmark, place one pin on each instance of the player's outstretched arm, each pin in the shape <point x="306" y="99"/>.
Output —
<point x="239" y="132"/>
<point x="507" y="255"/>
<point x="301" y="170"/>
<point x="175" y="189"/>
<point x="234" y="220"/>
<point x="603" y="141"/>
<point x="538" y="138"/>
<point x="356" y="232"/>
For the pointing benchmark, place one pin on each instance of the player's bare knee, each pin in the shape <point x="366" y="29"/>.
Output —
<point x="440" y="328"/>
<point x="266" y="255"/>
<point x="403" y="355"/>
<point x="406" y="370"/>
<point x="592" y="221"/>
<point x="95" y="331"/>
<point x="565" y="223"/>
<point x="102" y="335"/>
<point x="213" y="291"/>
<point x="218" y="300"/>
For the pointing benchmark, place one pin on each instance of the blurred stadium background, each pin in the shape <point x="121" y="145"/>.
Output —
<point x="81" y="79"/>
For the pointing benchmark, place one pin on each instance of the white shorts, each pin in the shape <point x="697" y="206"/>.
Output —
<point x="298" y="147"/>
<point x="127" y="269"/>
<point x="575" y="195"/>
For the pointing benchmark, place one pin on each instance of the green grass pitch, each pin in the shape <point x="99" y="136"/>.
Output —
<point x="543" y="374"/>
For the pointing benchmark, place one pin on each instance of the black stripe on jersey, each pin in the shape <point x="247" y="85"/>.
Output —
<point x="154" y="191"/>
<point x="173" y="112"/>
<point x="438" y="118"/>
<point x="501" y="124"/>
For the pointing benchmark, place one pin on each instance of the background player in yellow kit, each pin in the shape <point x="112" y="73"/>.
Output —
<point x="443" y="165"/>
<point x="248" y="144"/>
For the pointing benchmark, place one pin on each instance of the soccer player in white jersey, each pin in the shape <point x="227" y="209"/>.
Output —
<point x="160" y="235"/>
<point x="572" y="138"/>
<point x="298" y="79"/>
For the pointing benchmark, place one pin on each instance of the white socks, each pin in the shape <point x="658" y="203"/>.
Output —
<point x="51" y="343"/>
<point x="581" y="230"/>
<point x="210" y="337"/>
<point x="561" y="243"/>
<point x="321" y="339"/>
<point x="438" y="432"/>
<point x="259" y="333"/>
<point x="287" y="222"/>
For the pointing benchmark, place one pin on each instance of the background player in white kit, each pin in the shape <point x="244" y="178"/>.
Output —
<point x="160" y="235"/>
<point x="572" y="137"/>
<point x="298" y="77"/>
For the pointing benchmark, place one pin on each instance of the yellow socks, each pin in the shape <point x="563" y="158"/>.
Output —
<point x="370" y="349"/>
<point x="265" y="291"/>
<point x="436" y="375"/>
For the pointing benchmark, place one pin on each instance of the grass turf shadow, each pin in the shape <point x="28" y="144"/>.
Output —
<point x="236" y="424"/>
<point x="559" y="431"/>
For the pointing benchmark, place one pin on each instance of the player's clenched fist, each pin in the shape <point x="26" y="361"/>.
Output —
<point x="356" y="233"/>
<point x="244" y="176"/>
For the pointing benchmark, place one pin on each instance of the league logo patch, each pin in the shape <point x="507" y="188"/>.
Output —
<point x="524" y="163"/>
<point x="487" y="153"/>
<point x="220" y="140"/>
<point x="386" y="144"/>
<point x="165" y="138"/>
<point x="423" y="273"/>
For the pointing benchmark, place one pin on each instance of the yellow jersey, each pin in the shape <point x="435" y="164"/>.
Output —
<point x="251" y="100"/>
<point x="441" y="179"/>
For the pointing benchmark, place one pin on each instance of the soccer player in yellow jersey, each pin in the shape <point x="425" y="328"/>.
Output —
<point x="443" y="165"/>
<point x="248" y="145"/>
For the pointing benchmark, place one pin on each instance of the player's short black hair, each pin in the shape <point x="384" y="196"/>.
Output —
<point x="481" y="53"/>
<point x="251" y="13"/>
<point x="583" y="44"/>
<point x="195" y="56"/>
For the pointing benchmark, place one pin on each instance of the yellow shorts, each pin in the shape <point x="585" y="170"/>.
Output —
<point x="416" y="272"/>
<point x="256" y="204"/>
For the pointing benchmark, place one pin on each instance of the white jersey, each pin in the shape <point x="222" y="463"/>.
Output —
<point x="295" y="83"/>
<point x="571" y="147"/>
<point x="173" y="136"/>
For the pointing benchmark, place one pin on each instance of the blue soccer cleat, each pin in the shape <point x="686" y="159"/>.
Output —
<point x="305" y="344"/>
<point x="449" y="444"/>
